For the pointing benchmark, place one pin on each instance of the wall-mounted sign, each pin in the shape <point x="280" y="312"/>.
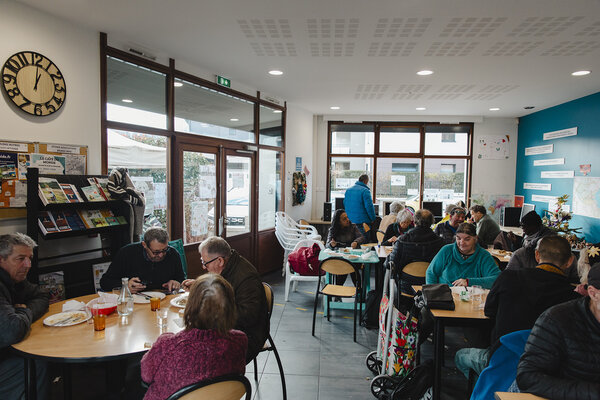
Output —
<point x="221" y="80"/>
<point x="543" y="198"/>
<point x="537" y="186"/>
<point x="298" y="163"/>
<point x="557" y="174"/>
<point x="14" y="147"/>
<point x="560" y="134"/>
<point x="549" y="161"/>
<point x="398" y="180"/>
<point x="545" y="149"/>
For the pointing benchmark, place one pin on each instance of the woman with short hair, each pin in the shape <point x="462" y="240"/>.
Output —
<point x="395" y="207"/>
<point x="404" y="221"/>
<point x="463" y="263"/>
<point x="208" y="347"/>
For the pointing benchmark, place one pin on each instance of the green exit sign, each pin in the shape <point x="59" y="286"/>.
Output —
<point x="223" y="81"/>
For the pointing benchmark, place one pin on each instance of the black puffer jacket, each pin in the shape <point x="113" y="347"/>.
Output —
<point x="562" y="355"/>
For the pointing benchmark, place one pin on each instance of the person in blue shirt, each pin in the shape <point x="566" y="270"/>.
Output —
<point x="358" y="203"/>
<point x="463" y="263"/>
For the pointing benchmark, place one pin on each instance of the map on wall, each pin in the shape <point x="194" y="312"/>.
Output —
<point x="586" y="196"/>
<point x="493" y="147"/>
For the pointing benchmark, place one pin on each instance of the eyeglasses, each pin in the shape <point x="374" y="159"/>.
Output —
<point x="204" y="264"/>
<point x="159" y="252"/>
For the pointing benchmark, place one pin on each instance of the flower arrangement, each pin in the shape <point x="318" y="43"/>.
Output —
<point x="558" y="221"/>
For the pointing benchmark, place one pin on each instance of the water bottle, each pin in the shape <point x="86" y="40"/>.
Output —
<point x="125" y="301"/>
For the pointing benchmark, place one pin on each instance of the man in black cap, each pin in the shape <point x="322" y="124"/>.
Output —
<point x="534" y="230"/>
<point x="562" y="355"/>
<point x="447" y="230"/>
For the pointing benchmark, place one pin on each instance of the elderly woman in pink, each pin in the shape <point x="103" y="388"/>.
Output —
<point x="208" y="346"/>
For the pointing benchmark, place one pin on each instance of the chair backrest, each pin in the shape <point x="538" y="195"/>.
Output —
<point x="380" y="236"/>
<point x="337" y="266"/>
<point x="228" y="387"/>
<point x="416" y="268"/>
<point x="178" y="245"/>
<point x="308" y="243"/>
<point x="269" y="296"/>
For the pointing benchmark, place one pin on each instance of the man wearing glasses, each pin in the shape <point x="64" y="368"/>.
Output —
<point x="447" y="230"/>
<point x="150" y="264"/>
<point x="251" y="304"/>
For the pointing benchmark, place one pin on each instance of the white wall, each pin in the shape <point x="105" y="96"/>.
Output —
<point x="490" y="177"/>
<point x="299" y="143"/>
<point x="76" y="53"/>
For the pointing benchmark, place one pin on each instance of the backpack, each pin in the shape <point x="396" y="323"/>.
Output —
<point x="417" y="385"/>
<point x="370" y="316"/>
<point x="305" y="260"/>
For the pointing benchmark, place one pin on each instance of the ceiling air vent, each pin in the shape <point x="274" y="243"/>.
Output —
<point x="141" y="54"/>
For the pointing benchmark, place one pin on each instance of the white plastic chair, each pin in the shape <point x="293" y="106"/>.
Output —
<point x="291" y="276"/>
<point x="291" y="227"/>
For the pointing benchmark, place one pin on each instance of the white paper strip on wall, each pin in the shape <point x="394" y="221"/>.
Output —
<point x="549" y="161"/>
<point x="537" y="186"/>
<point x="14" y="147"/>
<point x="545" y="149"/>
<point x="557" y="174"/>
<point x="542" y="198"/>
<point x="63" y="148"/>
<point x="560" y="134"/>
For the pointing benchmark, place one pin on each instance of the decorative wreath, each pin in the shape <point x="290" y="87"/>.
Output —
<point x="299" y="188"/>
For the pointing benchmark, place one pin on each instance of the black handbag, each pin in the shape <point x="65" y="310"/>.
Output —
<point x="438" y="296"/>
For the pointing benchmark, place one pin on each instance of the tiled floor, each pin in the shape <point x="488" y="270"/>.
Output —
<point x="328" y="366"/>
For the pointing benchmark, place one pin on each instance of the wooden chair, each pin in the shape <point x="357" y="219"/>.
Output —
<point x="337" y="266"/>
<point x="270" y="344"/>
<point x="380" y="236"/>
<point x="227" y="387"/>
<point x="414" y="273"/>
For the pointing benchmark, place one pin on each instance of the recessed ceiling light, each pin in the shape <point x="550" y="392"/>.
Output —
<point x="276" y="72"/>
<point x="334" y="108"/>
<point x="178" y="84"/>
<point x="420" y="109"/>
<point x="234" y="119"/>
<point x="127" y="101"/>
<point x="494" y="109"/>
<point x="277" y="111"/>
<point x="581" y="73"/>
<point x="425" y="72"/>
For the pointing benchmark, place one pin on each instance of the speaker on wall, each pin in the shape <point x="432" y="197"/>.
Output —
<point x="326" y="211"/>
<point x="339" y="203"/>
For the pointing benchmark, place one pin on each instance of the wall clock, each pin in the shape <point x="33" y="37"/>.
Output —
<point x="34" y="83"/>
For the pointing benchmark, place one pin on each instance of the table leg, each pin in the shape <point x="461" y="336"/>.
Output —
<point x="438" y="356"/>
<point x="30" y="381"/>
<point x="67" y="382"/>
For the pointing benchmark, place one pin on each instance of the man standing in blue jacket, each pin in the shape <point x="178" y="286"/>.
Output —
<point x="358" y="203"/>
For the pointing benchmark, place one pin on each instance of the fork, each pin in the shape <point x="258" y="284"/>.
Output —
<point x="65" y="321"/>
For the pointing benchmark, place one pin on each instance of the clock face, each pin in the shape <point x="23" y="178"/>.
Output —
<point x="34" y="83"/>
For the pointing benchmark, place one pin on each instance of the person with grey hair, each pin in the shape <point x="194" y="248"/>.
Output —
<point x="447" y="230"/>
<point x="404" y="221"/>
<point x="358" y="203"/>
<point x="21" y="303"/>
<point x="150" y="264"/>
<point x="218" y="257"/>
<point x="487" y="228"/>
<point x="395" y="207"/>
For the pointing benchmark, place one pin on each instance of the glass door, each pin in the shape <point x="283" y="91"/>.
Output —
<point x="201" y="211"/>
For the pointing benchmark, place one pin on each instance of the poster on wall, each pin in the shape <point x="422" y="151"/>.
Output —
<point x="557" y="174"/>
<point x="548" y="161"/>
<point x="8" y="166"/>
<point x="75" y="164"/>
<point x="560" y="134"/>
<point x="495" y="147"/>
<point x="493" y="203"/>
<point x="546" y="149"/>
<point x="586" y="196"/>
<point x="199" y="218"/>
<point x="48" y="163"/>
<point x="537" y="186"/>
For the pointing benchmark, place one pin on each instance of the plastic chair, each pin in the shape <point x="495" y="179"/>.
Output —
<point x="227" y="387"/>
<point x="270" y="344"/>
<point x="291" y="276"/>
<point x="337" y="266"/>
<point x="178" y="245"/>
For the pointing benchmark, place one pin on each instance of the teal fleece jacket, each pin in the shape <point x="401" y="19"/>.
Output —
<point x="448" y="266"/>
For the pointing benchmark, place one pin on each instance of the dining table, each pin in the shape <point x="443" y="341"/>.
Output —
<point x="123" y="337"/>
<point x="466" y="313"/>
<point x="516" y="396"/>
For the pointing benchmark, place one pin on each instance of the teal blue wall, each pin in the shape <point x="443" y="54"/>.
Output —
<point x="583" y="113"/>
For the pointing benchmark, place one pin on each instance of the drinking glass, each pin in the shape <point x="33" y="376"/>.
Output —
<point x="99" y="317"/>
<point x="154" y="303"/>
<point x="476" y="294"/>
<point x="162" y="315"/>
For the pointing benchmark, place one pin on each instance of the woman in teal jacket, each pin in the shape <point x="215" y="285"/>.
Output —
<point x="463" y="263"/>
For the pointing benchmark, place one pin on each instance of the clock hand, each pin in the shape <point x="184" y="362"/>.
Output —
<point x="37" y="77"/>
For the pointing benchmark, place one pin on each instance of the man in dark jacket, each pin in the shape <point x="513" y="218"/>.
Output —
<point x="562" y="355"/>
<point x="150" y="264"/>
<point x="518" y="297"/>
<point x="21" y="303"/>
<point x="418" y="244"/>
<point x="251" y="303"/>
<point x="487" y="228"/>
<point x="447" y="230"/>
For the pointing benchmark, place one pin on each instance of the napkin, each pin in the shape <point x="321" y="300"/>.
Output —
<point x="108" y="297"/>
<point x="73" y="305"/>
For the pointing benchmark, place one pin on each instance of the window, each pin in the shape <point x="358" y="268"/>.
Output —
<point x="207" y="112"/>
<point x="135" y="94"/>
<point x="271" y="126"/>
<point x="269" y="188"/>
<point x="413" y="162"/>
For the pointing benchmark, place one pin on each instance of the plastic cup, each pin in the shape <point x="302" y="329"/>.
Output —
<point x="98" y="317"/>
<point x="162" y="317"/>
<point x="154" y="303"/>
<point x="476" y="293"/>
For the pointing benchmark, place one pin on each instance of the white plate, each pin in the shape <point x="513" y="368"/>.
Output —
<point x="137" y="299"/>
<point x="67" y="318"/>
<point x="179" y="300"/>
